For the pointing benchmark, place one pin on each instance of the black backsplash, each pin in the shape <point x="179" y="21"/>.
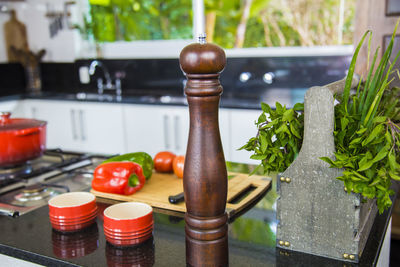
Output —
<point x="290" y="72"/>
<point x="56" y="77"/>
<point x="142" y="76"/>
<point x="164" y="76"/>
<point x="12" y="79"/>
<point x="59" y="77"/>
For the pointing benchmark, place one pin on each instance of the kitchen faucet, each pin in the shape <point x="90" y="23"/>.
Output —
<point x="108" y="85"/>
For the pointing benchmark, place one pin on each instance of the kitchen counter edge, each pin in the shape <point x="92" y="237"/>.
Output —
<point x="254" y="104"/>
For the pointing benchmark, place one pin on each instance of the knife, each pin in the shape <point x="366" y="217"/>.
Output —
<point x="176" y="198"/>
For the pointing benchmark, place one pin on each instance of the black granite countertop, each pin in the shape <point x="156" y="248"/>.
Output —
<point x="251" y="240"/>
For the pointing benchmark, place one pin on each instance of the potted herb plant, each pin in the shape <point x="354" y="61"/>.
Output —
<point x="336" y="162"/>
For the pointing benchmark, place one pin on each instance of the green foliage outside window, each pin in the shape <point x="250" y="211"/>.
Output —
<point x="281" y="22"/>
<point x="129" y="20"/>
<point x="229" y="23"/>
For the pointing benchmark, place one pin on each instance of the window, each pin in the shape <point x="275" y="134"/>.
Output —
<point x="161" y="28"/>
<point x="266" y="23"/>
<point x="130" y="20"/>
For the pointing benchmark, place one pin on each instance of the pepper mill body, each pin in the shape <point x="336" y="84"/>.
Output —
<point x="205" y="176"/>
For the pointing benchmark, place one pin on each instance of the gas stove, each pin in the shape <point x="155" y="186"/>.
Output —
<point x="30" y="186"/>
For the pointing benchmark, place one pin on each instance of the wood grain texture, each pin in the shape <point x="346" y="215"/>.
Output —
<point x="15" y="37"/>
<point x="371" y="15"/>
<point x="205" y="177"/>
<point x="202" y="59"/>
<point x="157" y="190"/>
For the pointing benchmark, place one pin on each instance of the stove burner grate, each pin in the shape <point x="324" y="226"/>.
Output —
<point x="31" y="195"/>
<point x="51" y="160"/>
<point x="45" y="177"/>
<point x="15" y="171"/>
<point x="13" y="174"/>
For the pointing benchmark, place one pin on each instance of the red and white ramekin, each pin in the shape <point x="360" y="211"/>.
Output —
<point x="72" y="211"/>
<point x="128" y="223"/>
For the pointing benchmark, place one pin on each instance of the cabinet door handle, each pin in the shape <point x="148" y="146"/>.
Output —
<point x="177" y="132"/>
<point x="73" y="123"/>
<point x="166" y="132"/>
<point x="82" y="125"/>
<point x="34" y="112"/>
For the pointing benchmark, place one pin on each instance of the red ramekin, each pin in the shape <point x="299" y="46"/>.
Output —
<point x="129" y="223"/>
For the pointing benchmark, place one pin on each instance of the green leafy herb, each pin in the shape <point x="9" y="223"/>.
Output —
<point x="279" y="137"/>
<point x="366" y="138"/>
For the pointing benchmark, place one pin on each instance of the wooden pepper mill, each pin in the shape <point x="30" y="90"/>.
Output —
<point x="205" y="178"/>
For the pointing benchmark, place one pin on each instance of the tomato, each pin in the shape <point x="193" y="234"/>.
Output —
<point x="163" y="161"/>
<point x="178" y="165"/>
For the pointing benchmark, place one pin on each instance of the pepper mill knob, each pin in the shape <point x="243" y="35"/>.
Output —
<point x="202" y="59"/>
<point x="205" y="177"/>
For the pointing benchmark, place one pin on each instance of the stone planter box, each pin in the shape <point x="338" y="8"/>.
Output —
<point x="315" y="214"/>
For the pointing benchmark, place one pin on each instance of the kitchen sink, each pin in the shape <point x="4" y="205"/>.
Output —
<point x="98" y="97"/>
<point x="173" y="99"/>
<point x="165" y="99"/>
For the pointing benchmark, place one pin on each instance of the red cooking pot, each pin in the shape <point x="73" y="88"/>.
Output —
<point x="20" y="139"/>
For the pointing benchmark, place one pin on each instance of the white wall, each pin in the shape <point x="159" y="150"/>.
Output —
<point x="60" y="48"/>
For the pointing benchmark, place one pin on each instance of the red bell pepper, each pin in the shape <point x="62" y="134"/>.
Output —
<point x="118" y="178"/>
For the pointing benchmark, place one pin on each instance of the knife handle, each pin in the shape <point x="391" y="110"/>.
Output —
<point x="177" y="198"/>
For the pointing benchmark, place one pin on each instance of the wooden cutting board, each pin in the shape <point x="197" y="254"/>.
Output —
<point x="15" y="36"/>
<point x="243" y="190"/>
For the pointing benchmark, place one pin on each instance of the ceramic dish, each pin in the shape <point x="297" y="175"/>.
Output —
<point x="128" y="223"/>
<point x="92" y="218"/>
<point x="72" y="211"/>
<point x="80" y="217"/>
<point x="126" y="232"/>
<point x="72" y="205"/>
<point x="127" y="236"/>
<point x="128" y="216"/>
<point x="72" y="220"/>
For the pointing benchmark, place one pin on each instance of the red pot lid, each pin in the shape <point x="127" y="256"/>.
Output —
<point x="8" y="124"/>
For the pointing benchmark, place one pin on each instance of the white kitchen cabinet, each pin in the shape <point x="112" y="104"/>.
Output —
<point x="101" y="127"/>
<point x="152" y="128"/>
<point x="115" y="128"/>
<point x="8" y="106"/>
<point x="224" y="122"/>
<point x="61" y="129"/>
<point x="242" y="129"/>
<point x="155" y="128"/>
<point x="80" y="126"/>
<point x="13" y="106"/>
